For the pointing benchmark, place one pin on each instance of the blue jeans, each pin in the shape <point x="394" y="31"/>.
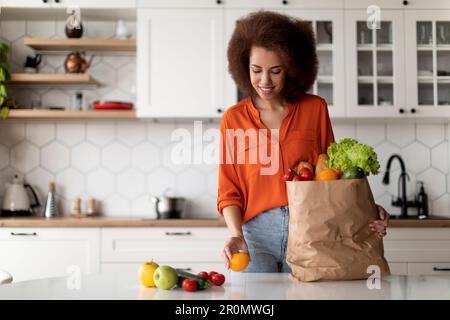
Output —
<point x="266" y="236"/>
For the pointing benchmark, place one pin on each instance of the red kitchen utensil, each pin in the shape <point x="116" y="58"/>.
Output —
<point x="112" y="105"/>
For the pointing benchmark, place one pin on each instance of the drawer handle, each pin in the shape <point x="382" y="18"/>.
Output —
<point x="178" y="233"/>
<point x="23" y="234"/>
<point x="186" y="269"/>
<point x="441" y="269"/>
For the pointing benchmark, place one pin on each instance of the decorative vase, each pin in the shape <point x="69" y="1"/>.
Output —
<point x="74" y="27"/>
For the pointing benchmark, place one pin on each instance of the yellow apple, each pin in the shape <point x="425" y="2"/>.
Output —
<point x="146" y="271"/>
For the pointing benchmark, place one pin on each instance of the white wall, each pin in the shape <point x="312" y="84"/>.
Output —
<point x="123" y="162"/>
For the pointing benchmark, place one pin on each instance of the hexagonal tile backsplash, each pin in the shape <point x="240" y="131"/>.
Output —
<point x="121" y="164"/>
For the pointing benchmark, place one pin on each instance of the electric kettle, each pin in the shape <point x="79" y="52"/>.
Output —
<point x="16" y="201"/>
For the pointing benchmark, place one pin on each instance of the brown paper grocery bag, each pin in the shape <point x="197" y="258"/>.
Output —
<point x="329" y="235"/>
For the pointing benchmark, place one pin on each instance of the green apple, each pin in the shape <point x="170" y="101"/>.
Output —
<point x="165" y="277"/>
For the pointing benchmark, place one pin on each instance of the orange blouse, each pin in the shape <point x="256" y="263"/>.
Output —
<point x="251" y="175"/>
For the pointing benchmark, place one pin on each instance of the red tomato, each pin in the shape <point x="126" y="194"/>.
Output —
<point x="305" y="174"/>
<point x="189" y="285"/>
<point x="297" y="178"/>
<point x="218" y="279"/>
<point x="210" y="274"/>
<point x="204" y="274"/>
<point x="340" y="174"/>
<point x="288" y="176"/>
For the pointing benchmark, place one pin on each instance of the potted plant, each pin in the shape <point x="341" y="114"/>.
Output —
<point x="5" y="103"/>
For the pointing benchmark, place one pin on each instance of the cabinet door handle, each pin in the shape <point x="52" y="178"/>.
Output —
<point x="219" y="1"/>
<point x="219" y="110"/>
<point x="413" y="110"/>
<point x="401" y="110"/>
<point x="405" y="3"/>
<point x="187" y="269"/>
<point x="441" y="269"/>
<point x="23" y="233"/>
<point x="188" y="233"/>
<point x="44" y="1"/>
<point x="285" y="2"/>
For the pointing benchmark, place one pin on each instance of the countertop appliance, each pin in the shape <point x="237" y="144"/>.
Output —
<point x="16" y="201"/>
<point x="169" y="207"/>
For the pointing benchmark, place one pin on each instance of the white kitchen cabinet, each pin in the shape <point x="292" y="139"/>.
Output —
<point x="67" y="3"/>
<point x="232" y="94"/>
<point x="177" y="4"/>
<point x="194" y="249"/>
<point x="375" y="69"/>
<point x="328" y="25"/>
<point x="418" y="251"/>
<point x="169" y="245"/>
<point x="45" y="252"/>
<point x="398" y="268"/>
<point x="435" y="268"/>
<point x="96" y="3"/>
<point x="180" y="63"/>
<point x="193" y="267"/>
<point x="26" y="3"/>
<point x="284" y="4"/>
<point x="428" y="62"/>
<point x="397" y="4"/>
<point x="240" y="4"/>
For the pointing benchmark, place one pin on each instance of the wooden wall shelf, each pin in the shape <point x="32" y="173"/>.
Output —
<point x="65" y="45"/>
<point x="52" y="79"/>
<point x="70" y="114"/>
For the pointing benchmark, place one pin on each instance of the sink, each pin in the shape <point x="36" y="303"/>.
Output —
<point x="417" y="218"/>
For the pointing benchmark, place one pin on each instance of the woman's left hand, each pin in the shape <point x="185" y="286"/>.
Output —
<point x="379" y="226"/>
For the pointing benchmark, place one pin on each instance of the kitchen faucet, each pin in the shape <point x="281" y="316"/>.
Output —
<point x="401" y="201"/>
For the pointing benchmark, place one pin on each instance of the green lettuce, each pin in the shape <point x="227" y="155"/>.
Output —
<point x="350" y="153"/>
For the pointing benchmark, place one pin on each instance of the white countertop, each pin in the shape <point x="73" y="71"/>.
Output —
<point x="261" y="286"/>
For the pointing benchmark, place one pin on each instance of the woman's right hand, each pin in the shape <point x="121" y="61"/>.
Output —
<point x="232" y="245"/>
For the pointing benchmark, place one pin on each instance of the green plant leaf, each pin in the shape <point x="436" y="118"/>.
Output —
<point x="4" y="65"/>
<point x="3" y="92"/>
<point x="4" y="48"/>
<point x="2" y="99"/>
<point x="4" y="112"/>
<point x="2" y="75"/>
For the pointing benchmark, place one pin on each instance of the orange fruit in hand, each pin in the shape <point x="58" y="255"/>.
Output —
<point x="239" y="261"/>
<point x="327" y="174"/>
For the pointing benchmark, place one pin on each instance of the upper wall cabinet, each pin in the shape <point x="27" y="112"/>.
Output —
<point x="284" y="4"/>
<point x="428" y="61"/>
<point x="67" y="3"/>
<point x="180" y="62"/>
<point x="328" y="26"/>
<point x="397" y="4"/>
<point x="243" y="4"/>
<point x="26" y="3"/>
<point x="375" y="65"/>
<point x="177" y="4"/>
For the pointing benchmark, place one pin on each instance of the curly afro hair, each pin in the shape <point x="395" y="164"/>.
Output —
<point x="293" y="39"/>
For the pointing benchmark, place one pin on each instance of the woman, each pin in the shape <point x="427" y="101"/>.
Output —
<point x="272" y="58"/>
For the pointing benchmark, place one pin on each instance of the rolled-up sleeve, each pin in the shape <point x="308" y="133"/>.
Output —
<point x="326" y="130"/>
<point x="229" y="191"/>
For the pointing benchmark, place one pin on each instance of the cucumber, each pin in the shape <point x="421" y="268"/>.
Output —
<point x="202" y="283"/>
<point x="354" y="173"/>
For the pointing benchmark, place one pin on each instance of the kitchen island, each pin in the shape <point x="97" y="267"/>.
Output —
<point x="238" y="286"/>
